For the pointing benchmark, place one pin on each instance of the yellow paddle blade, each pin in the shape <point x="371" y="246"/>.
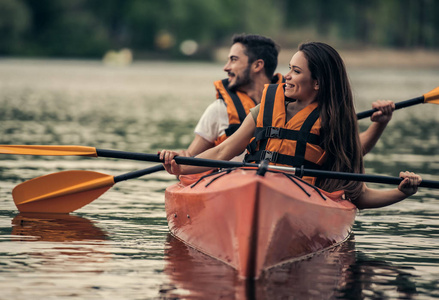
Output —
<point x="61" y="192"/>
<point x="48" y="150"/>
<point x="432" y="96"/>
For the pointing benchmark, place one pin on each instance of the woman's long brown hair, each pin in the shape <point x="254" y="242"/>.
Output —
<point x="339" y="121"/>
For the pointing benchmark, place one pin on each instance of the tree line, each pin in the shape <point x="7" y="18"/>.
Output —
<point x="150" y="28"/>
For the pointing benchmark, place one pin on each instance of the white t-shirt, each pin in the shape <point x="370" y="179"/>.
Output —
<point x="214" y="122"/>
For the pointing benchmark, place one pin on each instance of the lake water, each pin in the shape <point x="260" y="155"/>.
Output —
<point x="118" y="246"/>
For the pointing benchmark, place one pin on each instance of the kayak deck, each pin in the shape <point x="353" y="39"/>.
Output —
<point x="254" y="223"/>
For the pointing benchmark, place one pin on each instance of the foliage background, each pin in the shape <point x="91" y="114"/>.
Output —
<point x="156" y="28"/>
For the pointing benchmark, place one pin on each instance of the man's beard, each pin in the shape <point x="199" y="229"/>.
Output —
<point x="241" y="80"/>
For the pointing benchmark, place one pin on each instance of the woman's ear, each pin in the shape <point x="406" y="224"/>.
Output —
<point x="316" y="85"/>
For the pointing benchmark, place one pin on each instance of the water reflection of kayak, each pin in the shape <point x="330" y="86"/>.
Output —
<point x="253" y="223"/>
<point x="55" y="227"/>
<point x="198" y="276"/>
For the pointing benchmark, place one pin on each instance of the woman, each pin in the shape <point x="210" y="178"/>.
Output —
<point x="318" y="82"/>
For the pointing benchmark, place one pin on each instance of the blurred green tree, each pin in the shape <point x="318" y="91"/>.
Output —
<point x="15" y="19"/>
<point x="89" y="28"/>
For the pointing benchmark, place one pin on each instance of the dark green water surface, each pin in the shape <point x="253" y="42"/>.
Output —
<point x="118" y="246"/>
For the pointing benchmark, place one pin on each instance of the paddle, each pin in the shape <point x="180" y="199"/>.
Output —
<point x="297" y="171"/>
<point x="430" y="97"/>
<point x="232" y="164"/>
<point x="66" y="191"/>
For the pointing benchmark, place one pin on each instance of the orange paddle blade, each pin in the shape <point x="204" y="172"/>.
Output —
<point x="432" y="96"/>
<point x="61" y="192"/>
<point x="48" y="150"/>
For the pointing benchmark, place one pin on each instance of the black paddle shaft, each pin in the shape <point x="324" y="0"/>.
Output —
<point x="139" y="173"/>
<point x="365" y="177"/>
<point x="231" y="164"/>
<point x="179" y="159"/>
<point x="398" y="105"/>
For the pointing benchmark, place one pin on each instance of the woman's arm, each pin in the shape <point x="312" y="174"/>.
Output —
<point x="371" y="198"/>
<point x="379" y="120"/>
<point x="198" y="145"/>
<point x="231" y="147"/>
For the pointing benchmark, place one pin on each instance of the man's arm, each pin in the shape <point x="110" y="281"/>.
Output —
<point x="380" y="119"/>
<point x="198" y="145"/>
<point x="211" y="125"/>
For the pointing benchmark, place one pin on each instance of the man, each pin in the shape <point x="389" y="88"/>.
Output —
<point x="251" y="63"/>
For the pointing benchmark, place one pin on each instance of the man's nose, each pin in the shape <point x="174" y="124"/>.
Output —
<point x="226" y="66"/>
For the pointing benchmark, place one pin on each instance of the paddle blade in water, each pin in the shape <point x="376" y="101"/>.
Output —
<point x="61" y="192"/>
<point x="48" y="150"/>
<point x="432" y="96"/>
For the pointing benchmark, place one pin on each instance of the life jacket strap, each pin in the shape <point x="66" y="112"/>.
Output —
<point x="231" y="129"/>
<point x="262" y="133"/>
<point x="236" y="101"/>
<point x="278" y="158"/>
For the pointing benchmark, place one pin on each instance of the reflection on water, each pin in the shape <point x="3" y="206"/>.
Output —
<point x="118" y="246"/>
<point x="46" y="250"/>
<point x="379" y="280"/>
<point x="196" y="275"/>
<point x="55" y="228"/>
<point x="341" y="273"/>
<point x="63" y="231"/>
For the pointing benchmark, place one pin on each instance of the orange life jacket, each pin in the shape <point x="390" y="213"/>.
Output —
<point x="238" y="105"/>
<point x="294" y="143"/>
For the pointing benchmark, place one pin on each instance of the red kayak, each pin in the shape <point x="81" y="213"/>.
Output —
<point x="255" y="222"/>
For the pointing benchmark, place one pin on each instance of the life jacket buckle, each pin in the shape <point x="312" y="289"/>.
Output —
<point x="271" y="156"/>
<point x="273" y="132"/>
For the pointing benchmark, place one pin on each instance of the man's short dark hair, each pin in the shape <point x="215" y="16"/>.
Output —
<point x="259" y="47"/>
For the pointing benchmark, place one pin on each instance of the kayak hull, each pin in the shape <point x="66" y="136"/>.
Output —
<point x="254" y="223"/>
